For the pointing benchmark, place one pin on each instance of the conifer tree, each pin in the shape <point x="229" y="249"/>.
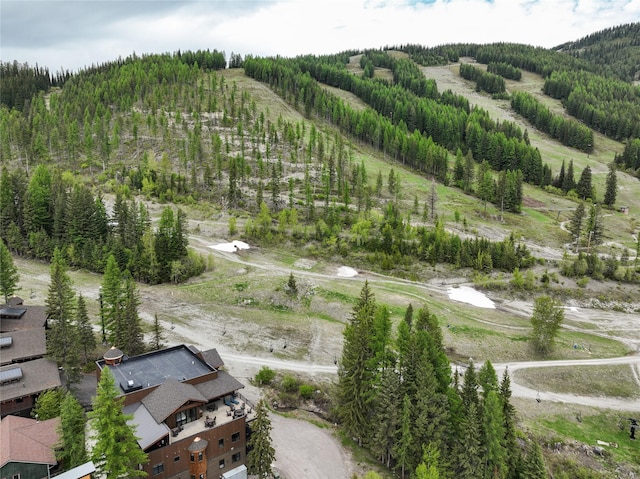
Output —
<point x="510" y="443"/>
<point x="403" y="446"/>
<point x="71" y="450"/>
<point x="595" y="226"/>
<point x="568" y="182"/>
<point x="386" y="415"/>
<point x="469" y="453"/>
<point x="111" y="304"/>
<point x="429" y="468"/>
<point x="9" y="276"/>
<point x="355" y="373"/>
<point x="48" y="404"/>
<point x="493" y="429"/>
<point x="584" y="184"/>
<point x="575" y="226"/>
<point x="62" y="338"/>
<point x="533" y="465"/>
<point x="116" y="453"/>
<point x="611" y="189"/>
<point x="85" y="332"/>
<point x="157" y="339"/>
<point x="261" y="454"/>
<point x="130" y="335"/>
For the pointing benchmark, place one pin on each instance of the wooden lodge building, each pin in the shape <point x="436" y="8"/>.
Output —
<point x="189" y="417"/>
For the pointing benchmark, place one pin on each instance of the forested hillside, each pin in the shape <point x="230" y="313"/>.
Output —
<point x="358" y="178"/>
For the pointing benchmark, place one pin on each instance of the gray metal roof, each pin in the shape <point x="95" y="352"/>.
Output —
<point x="148" y="431"/>
<point x="82" y="470"/>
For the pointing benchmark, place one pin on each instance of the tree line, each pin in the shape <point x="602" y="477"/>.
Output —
<point x="484" y="80"/>
<point x="505" y="70"/>
<point x="568" y="132"/>
<point x="607" y="105"/>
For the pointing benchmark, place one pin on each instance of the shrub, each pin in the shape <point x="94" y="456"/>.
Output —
<point x="265" y="376"/>
<point x="289" y="384"/>
<point x="306" y="391"/>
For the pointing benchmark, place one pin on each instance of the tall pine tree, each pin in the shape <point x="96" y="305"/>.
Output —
<point x="116" y="453"/>
<point x="261" y="453"/>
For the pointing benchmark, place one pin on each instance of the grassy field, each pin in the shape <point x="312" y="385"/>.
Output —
<point x="616" y="381"/>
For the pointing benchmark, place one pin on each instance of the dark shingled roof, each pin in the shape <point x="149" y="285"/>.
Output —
<point x="224" y="384"/>
<point x="37" y="376"/>
<point x="198" y="444"/>
<point x="34" y="317"/>
<point x="169" y="396"/>
<point x="212" y="358"/>
<point x="26" y="344"/>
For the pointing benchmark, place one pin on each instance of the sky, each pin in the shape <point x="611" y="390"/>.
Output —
<point x="71" y="35"/>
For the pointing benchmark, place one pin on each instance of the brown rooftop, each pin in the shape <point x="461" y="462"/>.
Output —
<point x="22" y="345"/>
<point x="37" y="376"/>
<point x="28" y="440"/>
<point x="15" y="316"/>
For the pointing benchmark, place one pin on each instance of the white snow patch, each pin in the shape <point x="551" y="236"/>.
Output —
<point x="465" y="294"/>
<point x="347" y="272"/>
<point x="232" y="247"/>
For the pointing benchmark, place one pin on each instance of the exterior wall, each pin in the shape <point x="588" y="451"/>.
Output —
<point x="215" y="452"/>
<point x="18" y="408"/>
<point x="25" y="469"/>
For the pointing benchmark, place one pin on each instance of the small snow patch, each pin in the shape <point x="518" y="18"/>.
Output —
<point x="465" y="294"/>
<point x="347" y="272"/>
<point x="232" y="247"/>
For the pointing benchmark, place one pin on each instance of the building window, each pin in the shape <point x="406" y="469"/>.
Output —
<point x="16" y="476"/>
<point x="221" y="464"/>
<point x="235" y="457"/>
<point x="235" y="437"/>
<point x="200" y="456"/>
<point x="176" y="459"/>
<point x="221" y="442"/>
<point x="192" y="476"/>
<point x="18" y="400"/>
<point x="201" y="476"/>
<point x="192" y="457"/>
<point x="158" y="468"/>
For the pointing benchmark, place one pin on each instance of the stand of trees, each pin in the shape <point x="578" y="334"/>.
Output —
<point x="487" y="81"/>
<point x="397" y="396"/>
<point x="568" y="132"/>
<point x="51" y="210"/>
<point x="505" y="70"/>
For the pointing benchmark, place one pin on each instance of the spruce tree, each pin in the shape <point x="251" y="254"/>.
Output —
<point x="493" y="429"/>
<point x="130" y="335"/>
<point x="595" y="226"/>
<point x="533" y="465"/>
<point x="116" y="453"/>
<point x="510" y="443"/>
<point x="469" y="449"/>
<point x="71" y="450"/>
<point x="403" y="447"/>
<point x="9" y="276"/>
<point x="611" y="189"/>
<point x="85" y="332"/>
<point x="568" y="182"/>
<point x="157" y="338"/>
<point x="575" y="226"/>
<point x="584" y="184"/>
<point x="111" y="304"/>
<point x="355" y="375"/>
<point x="386" y="416"/>
<point x="261" y="452"/>
<point x="62" y="338"/>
